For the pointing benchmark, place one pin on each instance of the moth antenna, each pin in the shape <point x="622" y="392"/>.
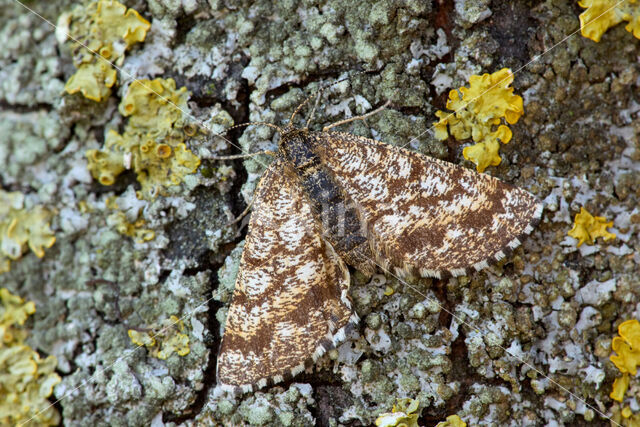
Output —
<point x="319" y="92"/>
<point x="313" y="111"/>
<point x="271" y="125"/>
<point x="243" y="156"/>
<point x="240" y="156"/>
<point x="361" y="117"/>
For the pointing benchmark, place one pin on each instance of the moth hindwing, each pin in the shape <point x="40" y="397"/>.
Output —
<point x="333" y="199"/>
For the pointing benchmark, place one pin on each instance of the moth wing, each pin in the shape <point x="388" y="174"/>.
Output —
<point x="425" y="215"/>
<point x="290" y="301"/>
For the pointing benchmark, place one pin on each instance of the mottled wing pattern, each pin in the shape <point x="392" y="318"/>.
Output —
<point x="290" y="302"/>
<point x="424" y="215"/>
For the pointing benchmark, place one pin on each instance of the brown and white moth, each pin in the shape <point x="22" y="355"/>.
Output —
<point x="331" y="200"/>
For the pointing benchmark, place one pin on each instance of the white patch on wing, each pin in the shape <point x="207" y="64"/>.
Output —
<point x="430" y="183"/>
<point x="375" y="185"/>
<point x="403" y="167"/>
<point x="392" y="220"/>
<point x="307" y="272"/>
<point x="454" y="233"/>
<point x="464" y="201"/>
<point x="255" y="282"/>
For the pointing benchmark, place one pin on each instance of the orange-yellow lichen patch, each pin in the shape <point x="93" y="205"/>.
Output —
<point x="26" y="380"/>
<point x="627" y="347"/>
<point x="586" y="228"/>
<point x="620" y="386"/>
<point x="152" y="144"/>
<point x="600" y="15"/>
<point x="166" y="340"/>
<point x="479" y="115"/>
<point x="106" y="28"/>
<point x="22" y="228"/>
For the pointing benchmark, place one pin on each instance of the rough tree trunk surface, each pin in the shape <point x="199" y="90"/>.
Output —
<point x="525" y="341"/>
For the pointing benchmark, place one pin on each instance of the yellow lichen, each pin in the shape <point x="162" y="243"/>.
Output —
<point x="26" y="380"/>
<point x="586" y="228"/>
<point x="405" y="413"/>
<point x="107" y="28"/>
<point x="21" y="228"/>
<point x="620" y="386"/>
<point x="625" y="417"/>
<point x="600" y="15"/>
<point x="165" y="340"/>
<point x="152" y="143"/>
<point x="124" y="226"/>
<point x="119" y="221"/>
<point x="478" y="115"/>
<point x="627" y="345"/>
<point x="94" y="80"/>
<point x="452" y="421"/>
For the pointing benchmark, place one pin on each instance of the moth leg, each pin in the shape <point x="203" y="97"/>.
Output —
<point x="243" y="156"/>
<point x="242" y="214"/>
<point x="361" y="117"/>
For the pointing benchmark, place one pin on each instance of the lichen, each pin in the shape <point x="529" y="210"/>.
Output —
<point x="478" y="115"/>
<point x="94" y="80"/>
<point x="600" y="15"/>
<point x="580" y="122"/>
<point x="26" y="380"/>
<point x="101" y="33"/>
<point x="624" y="416"/>
<point x="627" y="345"/>
<point x="118" y="220"/>
<point x="405" y="413"/>
<point x="586" y="228"/>
<point x="620" y="386"/>
<point x="627" y="359"/>
<point x="165" y="340"/>
<point x="153" y="140"/>
<point x="22" y="227"/>
<point x="452" y="421"/>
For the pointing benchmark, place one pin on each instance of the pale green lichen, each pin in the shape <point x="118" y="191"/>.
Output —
<point x="26" y="380"/>
<point x="404" y="413"/>
<point x="166" y="340"/>
<point x="102" y="32"/>
<point x="21" y="228"/>
<point x="119" y="221"/>
<point x="153" y="140"/>
<point x="478" y="115"/>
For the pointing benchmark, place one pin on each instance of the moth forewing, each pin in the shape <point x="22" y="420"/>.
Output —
<point x="290" y="291"/>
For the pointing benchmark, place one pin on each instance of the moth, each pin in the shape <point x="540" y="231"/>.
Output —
<point x="331" y="200"/>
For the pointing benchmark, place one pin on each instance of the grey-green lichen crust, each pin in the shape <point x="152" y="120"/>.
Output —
<point x="504" y="344"/>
